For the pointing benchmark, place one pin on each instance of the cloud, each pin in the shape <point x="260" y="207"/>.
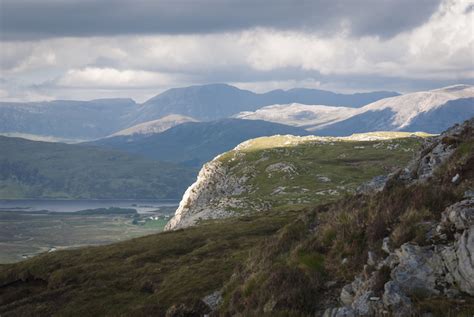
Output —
<point x="435" y="53"/>
<point x="32" y="19"/>
<point x="113" y="78"/>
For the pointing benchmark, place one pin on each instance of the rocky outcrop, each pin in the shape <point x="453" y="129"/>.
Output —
<point x="435" y="152"/>
<point x="441" y="267"/>
<point x="445" y="268"/>
<point x="212" y="196"/>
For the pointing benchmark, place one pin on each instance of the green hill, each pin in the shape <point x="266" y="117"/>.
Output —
<point x="30" y="169"/>
<point x="287" y="172"/>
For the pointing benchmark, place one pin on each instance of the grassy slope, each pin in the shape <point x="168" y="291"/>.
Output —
<point x="31" y="169"/>
<point x="144" y="276"/>
<point x="324" y="169"/>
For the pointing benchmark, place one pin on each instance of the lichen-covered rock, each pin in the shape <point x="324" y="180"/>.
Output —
<point x="339" y="312"/>
<point x="213" y="300"/>
<point x="433" y="159"/>
<point x="376" y="184"/>
<point x="418" y="270"/>
<point x="396" y="300"/>
<point x="347" y="294"/>
<point x="459" y="215"/>
<point x="367" y="304"/>
<point x="459" y="262"/>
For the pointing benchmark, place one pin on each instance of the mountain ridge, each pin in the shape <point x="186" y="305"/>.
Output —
<point x="88" y="120"/>
<point x="409" y="112"/>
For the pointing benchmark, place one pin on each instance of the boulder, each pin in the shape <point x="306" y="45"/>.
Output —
<point x="339" y="312"/>
<point x="459" y="262"/>
<point x="418" y="270"/>
<point x="396" y="300"/>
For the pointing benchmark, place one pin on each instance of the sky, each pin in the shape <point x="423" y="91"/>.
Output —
<point x="85" y="49"/>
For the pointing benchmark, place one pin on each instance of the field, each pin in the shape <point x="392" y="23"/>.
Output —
<point x="24" y="234"/>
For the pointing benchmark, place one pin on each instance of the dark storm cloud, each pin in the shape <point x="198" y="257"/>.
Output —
<point x="33" y="19"/>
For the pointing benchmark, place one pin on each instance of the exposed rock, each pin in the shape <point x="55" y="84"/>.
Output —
<point x="433" y="159"/>
<point x="324" y="179"/>
<point x="396" y="300"/>
<point x="193" y="309"/>
<point x="371" y="258"/>
<point x="469" y="194"/>
<point x="459" y="215"/>
<point x="363" y="306"/>
<point x="459" y="261"/>
<point x="213" y="300"/>
<point x="455" y="179"/>
<point x="386" y="245"/>
<point x="374" y="185"/>
<point x="339" y="312"/>
<point x="347" y="294"/>
<point x="418" y="270"/>
<point x="281" y="167"/>
<point x="210" y="197"/>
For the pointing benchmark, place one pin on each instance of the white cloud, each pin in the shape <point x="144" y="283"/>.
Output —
<point x="113" y="78"/>
<point x="439" y="50"/>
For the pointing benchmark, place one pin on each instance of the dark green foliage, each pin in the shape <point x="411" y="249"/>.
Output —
<point x="31" y="169"/>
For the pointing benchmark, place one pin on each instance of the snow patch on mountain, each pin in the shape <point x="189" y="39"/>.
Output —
<point x="433" y="110"/>
<point x="155" y="126"/>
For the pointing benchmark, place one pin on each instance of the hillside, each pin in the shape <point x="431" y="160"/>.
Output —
<point x="30" y="169"/>
<point x="66" y="119"/>
<point x="154" y="126"/>
<point x="195" y="143"/>
<point x="429" y="111"/>
<point x="301" y="263"/>
<point x="288" y="172"/>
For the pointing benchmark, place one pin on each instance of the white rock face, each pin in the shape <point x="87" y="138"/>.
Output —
<point x="210" y="197"/>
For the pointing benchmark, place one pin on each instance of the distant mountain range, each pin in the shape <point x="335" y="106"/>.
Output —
<point x="87" y="120"/>
<point x="66" y="119"/>
<point x="30" y="169"/>
<point x="217" y="101"/>
<point x="194" y="143"/>
<point x="429" y="111"/>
